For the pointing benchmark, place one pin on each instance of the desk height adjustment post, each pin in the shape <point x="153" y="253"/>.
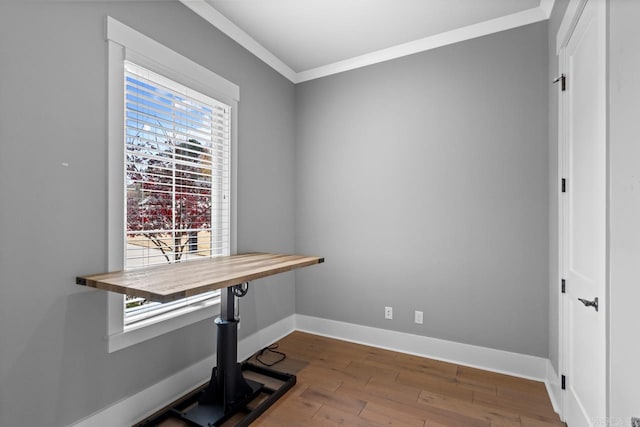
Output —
<point x="227" y="304"/>
<point x="227" y="386"/>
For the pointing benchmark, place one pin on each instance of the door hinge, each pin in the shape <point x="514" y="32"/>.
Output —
<point x="564" y="286"/>
<point x="564" y="185"/>
<point x="564" y="382"/>
<point x="563" y="82"/>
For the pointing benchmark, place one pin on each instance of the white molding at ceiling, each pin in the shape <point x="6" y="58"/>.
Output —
<point x="496" y="25"/>
<point x="215" y="18"/>
<point x="547" y="6"/>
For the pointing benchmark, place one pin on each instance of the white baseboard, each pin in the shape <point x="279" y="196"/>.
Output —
<point x="554" y="388"/>
<point x="504" y="362"/>
<point x="265" y="337"/>
<point x="133" y="409"/>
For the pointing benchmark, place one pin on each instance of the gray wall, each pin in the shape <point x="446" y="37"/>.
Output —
<point x="422" y="180"/>
<point x="559" y="8"/>
<point x="624" y="210"/>
<point x="424" y="183"/>
<point x="54" y="365"/>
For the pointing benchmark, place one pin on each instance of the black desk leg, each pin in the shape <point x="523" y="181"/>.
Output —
<point x="228" y="391"/>
<point x="227" y="384"/>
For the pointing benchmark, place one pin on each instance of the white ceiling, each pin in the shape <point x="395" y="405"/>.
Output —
<point x="305" y="39"/>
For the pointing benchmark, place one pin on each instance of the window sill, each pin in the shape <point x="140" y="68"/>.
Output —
<point x="145" y="330"/>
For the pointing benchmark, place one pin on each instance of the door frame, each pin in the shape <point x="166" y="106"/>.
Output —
<point x="569" y="21"/>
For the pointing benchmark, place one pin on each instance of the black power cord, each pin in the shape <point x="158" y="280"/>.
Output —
<point x="270" y="349"/>
<point x="240" y="291"/>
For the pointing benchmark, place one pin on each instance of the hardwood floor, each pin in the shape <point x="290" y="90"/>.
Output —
<point x="341" y="383"/>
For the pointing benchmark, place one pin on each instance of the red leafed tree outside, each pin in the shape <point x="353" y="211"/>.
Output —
<point x="169" y="194"/>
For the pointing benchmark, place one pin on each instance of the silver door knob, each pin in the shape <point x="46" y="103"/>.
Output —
<point x="588" y="303"/>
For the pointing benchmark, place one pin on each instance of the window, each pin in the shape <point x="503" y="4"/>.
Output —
<point x="176" y="179"/>
<point x="171" y="187"/>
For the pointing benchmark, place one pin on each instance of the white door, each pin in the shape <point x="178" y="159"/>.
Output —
<point x="584" y="261"/>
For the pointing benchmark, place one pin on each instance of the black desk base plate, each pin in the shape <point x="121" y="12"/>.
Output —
<point x="210" y="415"/>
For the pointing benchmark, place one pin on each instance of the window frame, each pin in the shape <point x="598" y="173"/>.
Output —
<point x="125" y="43"/>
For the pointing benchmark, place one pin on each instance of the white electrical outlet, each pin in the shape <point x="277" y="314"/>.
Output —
<point x="418" y="317"/>
<point x="388" y="312"/>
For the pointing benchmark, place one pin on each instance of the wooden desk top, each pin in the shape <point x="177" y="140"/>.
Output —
<point x="169" y="282"/>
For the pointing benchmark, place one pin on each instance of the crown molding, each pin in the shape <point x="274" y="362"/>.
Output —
<point x="215" y="18"/>
<point x="547" y="6"/>
<point x="503" y="23"/>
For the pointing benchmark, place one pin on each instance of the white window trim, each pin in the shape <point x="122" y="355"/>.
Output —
<point x="126" y="43"/>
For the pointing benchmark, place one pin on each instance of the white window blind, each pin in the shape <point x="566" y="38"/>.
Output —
<point x="177" y="180"/>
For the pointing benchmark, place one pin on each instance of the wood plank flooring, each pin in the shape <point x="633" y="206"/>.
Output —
<point x="346" y="384"/>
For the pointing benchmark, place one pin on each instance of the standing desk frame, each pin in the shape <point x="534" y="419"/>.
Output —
<point x="228" y="392"/>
